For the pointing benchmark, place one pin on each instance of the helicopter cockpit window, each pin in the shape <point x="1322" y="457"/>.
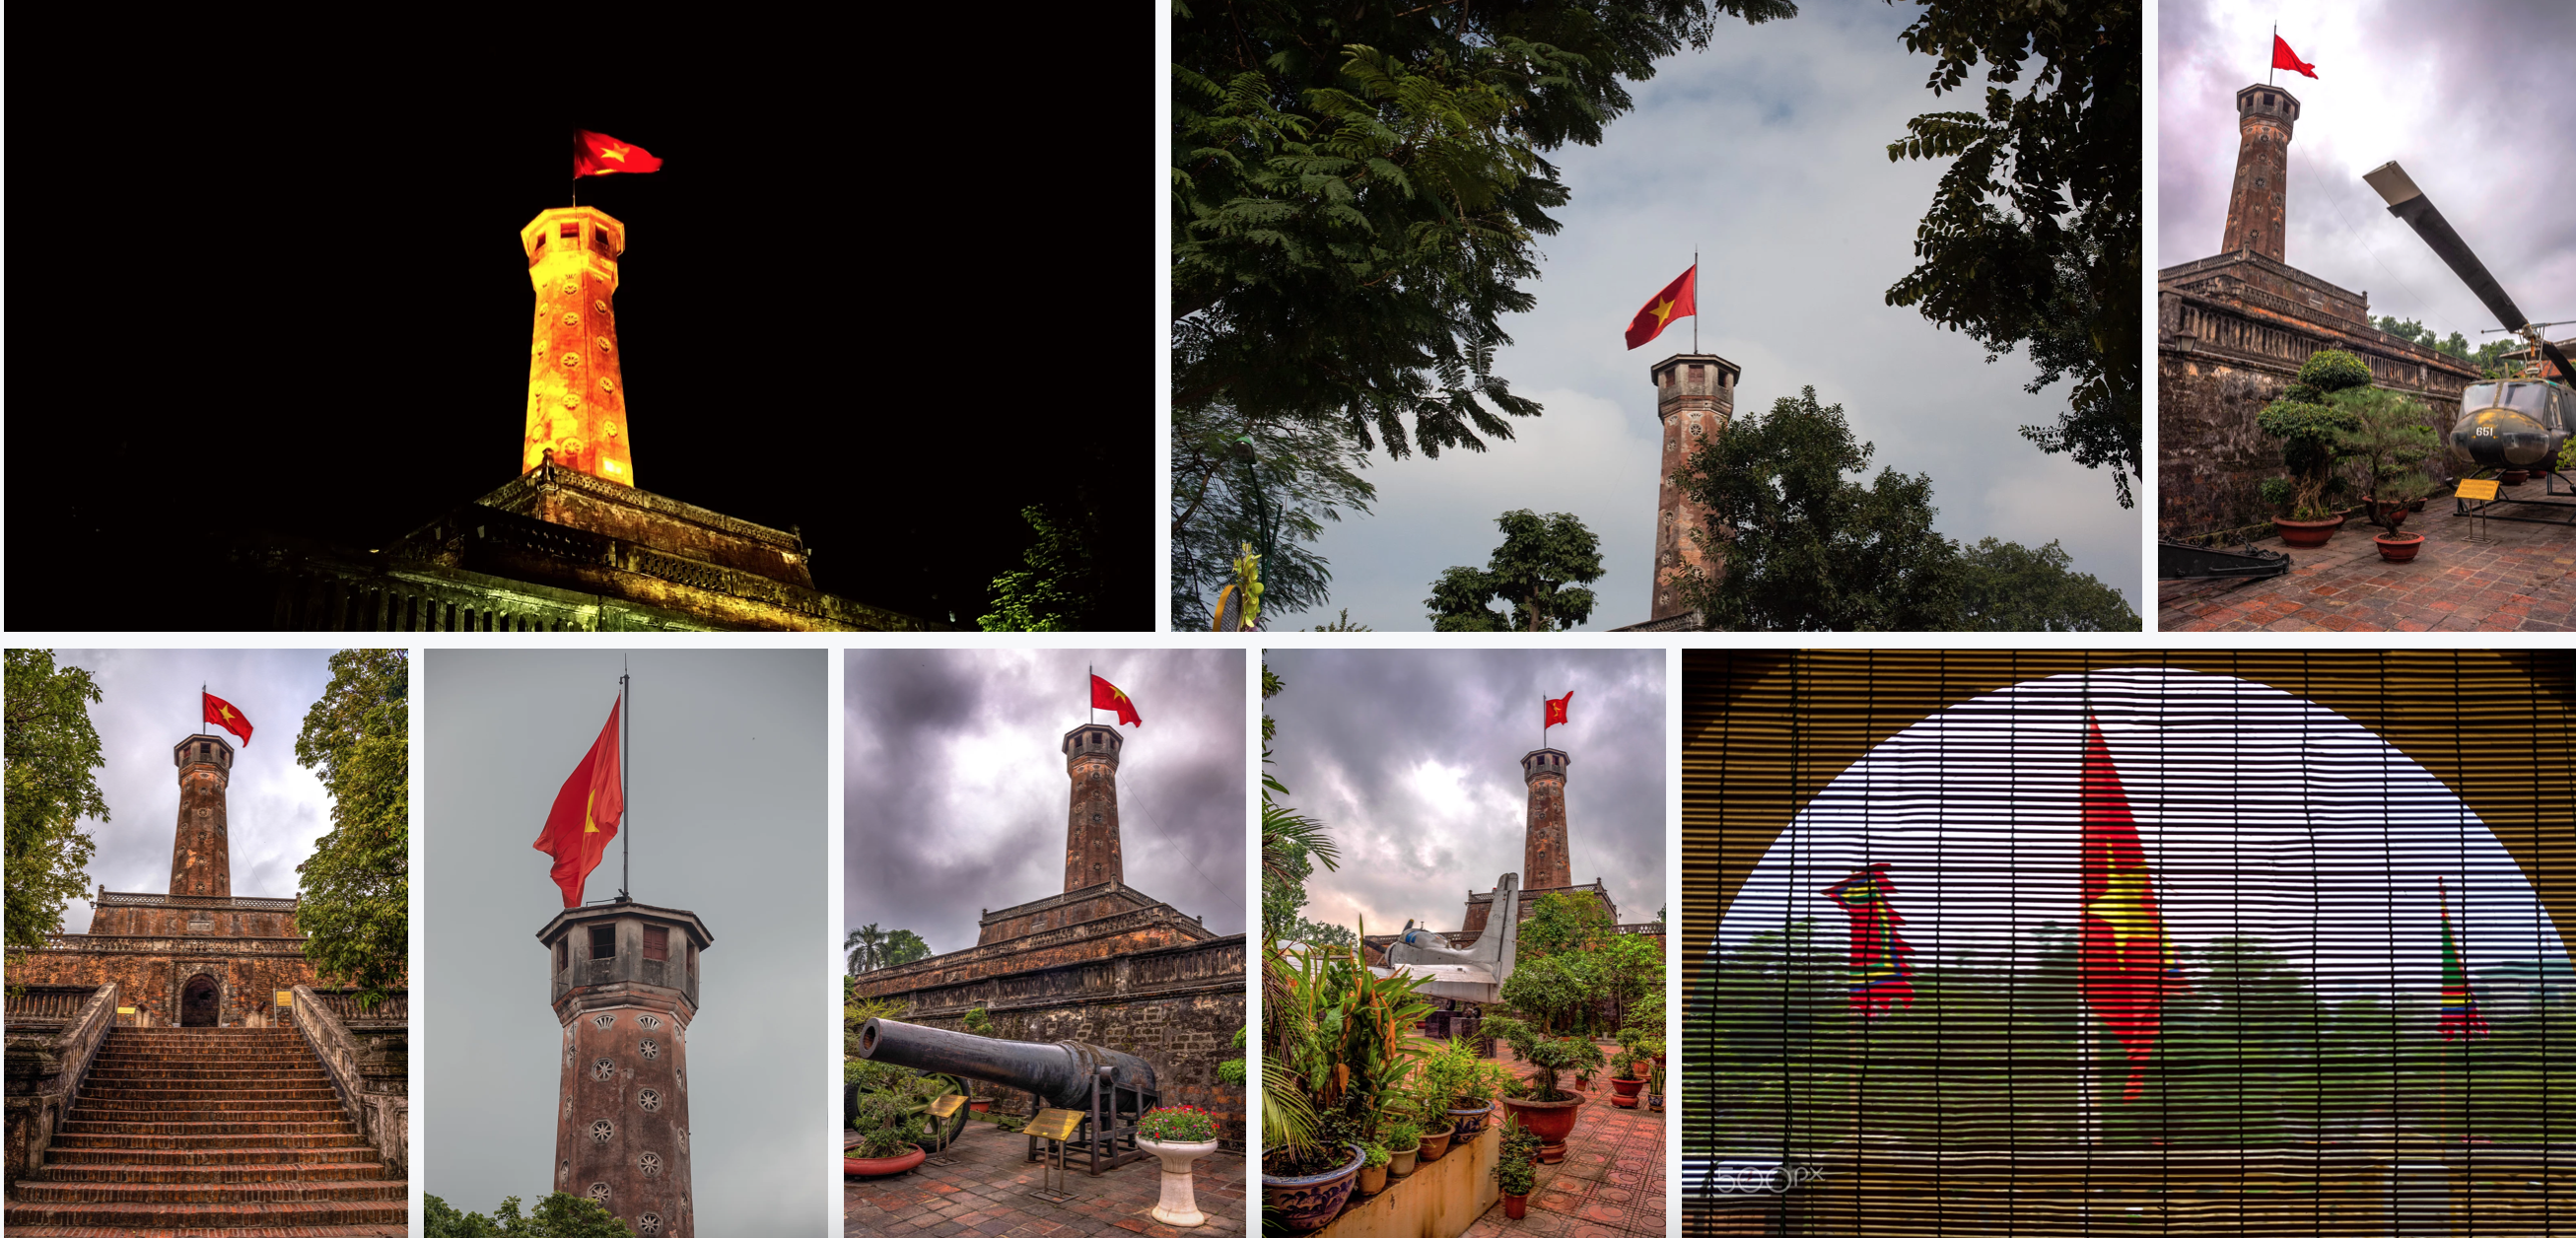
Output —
<point x="2479" y="395"/>
<point x="2527" y="397"/>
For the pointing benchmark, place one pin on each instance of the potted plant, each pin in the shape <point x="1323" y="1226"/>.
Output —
<point x="1403" y="1142"/>
<point x="890" y="1114"/>
<point x="1373" y="1162"/>
<point x="1514" y="1171"/>
<point x="2310" y="426"/>
<point x="1177" y="1135"/>
<point x="1451" y="1080"/>
<point x="1655" y="1088"/>
<point x="1337" y="1048"/>
<point x="1546" y="1110"/>
<point x="1625" y="1081"/>
<point x="1435" y="1142"/>
<point x="2386" y="449"/>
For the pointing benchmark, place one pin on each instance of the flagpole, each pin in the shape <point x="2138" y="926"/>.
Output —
<point x="2276" y="54"/>
<point x="1694" y="300"/>
<point x="626" y="730"/>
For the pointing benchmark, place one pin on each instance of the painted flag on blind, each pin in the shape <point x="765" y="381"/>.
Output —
<point x="2460" y="1015"/>
<point x="2126" y="964"/>
<point x="1105" y="695"/>
<point x="597" y="154"/>
<point x="1556" y="710"/>
<point x="221" y="713"/>
<point x="1881" y="976"/>
<point x="586" y="813"/>
<point x="2284" y="58"/>
<point x="1679" y="299"/>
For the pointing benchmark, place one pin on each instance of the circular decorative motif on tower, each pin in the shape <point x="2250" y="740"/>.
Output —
<point x="605" y="1021"/>
<point x="567" y="1107"/>
<point x="649" y="1223"/>
<point x="603" y="1069"/>
<point x="601" y="306"/>
<point x="683" y="1133"/>
<point x="650" y="1163"/>
<point x="649" y="1049"/>
<point x="645" y="1021"/>
<point x="603" y="343"/>
<point x="571" y="319"/>
<point x="650" y="1099"/>
<point x="571" y="400"/>
<point x="607" y="385"/>
<point x="571" y="359"/>
<point x="599" y="1191"/>
<point x="567" y="1055"/>
<point x="602" y="1131"/>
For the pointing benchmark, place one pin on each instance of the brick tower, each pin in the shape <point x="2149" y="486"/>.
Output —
<point x="201" y="860"/>
<point x="2255" y="205"/>
<point x="625" y="990"/>
<point x="1544" y="863"/>
<point x="576" y="398"/>
<point x="1694" y="398"/>
<point x="1091" y="831"/>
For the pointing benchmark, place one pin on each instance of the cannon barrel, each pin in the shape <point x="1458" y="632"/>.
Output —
<point x="1060" y="1073"/>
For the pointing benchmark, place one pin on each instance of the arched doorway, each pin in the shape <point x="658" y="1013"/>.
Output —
<point x="199" y="1002"/>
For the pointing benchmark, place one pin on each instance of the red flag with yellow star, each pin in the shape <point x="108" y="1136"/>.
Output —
<point x="1679" y="299"/>
<point x="2126" y="973"/>
<point x="1105" y="695"/>
<point x="1556" y="706"/>
<point x="221" y="712"/>
<point x="586" y="814"/>
<point x="597" y="154"/>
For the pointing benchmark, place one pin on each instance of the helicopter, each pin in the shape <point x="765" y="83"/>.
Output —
<point x="2510" y="424"/>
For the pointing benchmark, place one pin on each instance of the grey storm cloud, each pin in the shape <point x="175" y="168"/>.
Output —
<point x="274" y="808"/>
<point x="2471" y="97"/>
<point x="1768" y="154"/>
<point x="955" y="795"/>
<point x="728" y="788"/>
<point x="1411" y="758"/>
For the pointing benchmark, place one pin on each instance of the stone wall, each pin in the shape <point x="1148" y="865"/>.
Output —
<point x="153" y="916"/>
<point x="1178" y="1008"/>
<point x="150" y="973"/>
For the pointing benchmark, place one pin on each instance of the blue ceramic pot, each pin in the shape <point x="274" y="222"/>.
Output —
<point x="1470" y="1122"/>
<point x="1311" y="1202"/>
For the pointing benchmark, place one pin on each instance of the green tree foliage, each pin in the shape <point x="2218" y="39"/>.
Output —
<point x="2386" y="448"/>
<point x="557" y="1216"/>
<point x="1806" y="550"/>
<point x="1292" y="843"/>
<point x="1270" y="482"/>
<point x="1307" y="932"/>
<point x="51" y="749"/>
<point x="1563" y="923"/>
<point x="2033" y="236"/>
<point x="1539" y="570"/>
<point x="1342" y="624"/>
<point x="1066" y="587"/>
<point x="356" y="888"/>
<point x="905" y="946"/>
<point x="2312" y="427"/>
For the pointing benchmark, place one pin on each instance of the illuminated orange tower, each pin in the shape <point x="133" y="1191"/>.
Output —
<point x="576" y="398"/>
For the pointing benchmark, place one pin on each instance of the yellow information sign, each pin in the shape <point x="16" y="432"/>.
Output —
<point x="946" y="1105"/>
<point x="2481" y="489"/>
<point x="1053" y="1124"/>
<point x="285" y="997"/>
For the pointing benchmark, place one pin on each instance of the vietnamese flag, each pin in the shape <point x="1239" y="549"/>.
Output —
<point x="586" y="813"/>
<point x="1881" y="976"/>
<point x="221" y="712"/>
<point x="1556" y="711"/>
<point x="2460" y="1015"/>
<point x="2284" y="58"/>
<point x="1679" y="299"/>
<point x="1105" y="695"/>
<point x="2123" y="950"/>
<point x="597" y="154"/>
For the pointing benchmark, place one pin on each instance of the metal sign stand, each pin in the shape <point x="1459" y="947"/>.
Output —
<point x="1055" y="1126"/>
<point x="941" y="1110"/>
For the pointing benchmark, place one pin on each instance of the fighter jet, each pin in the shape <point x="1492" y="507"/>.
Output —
<point x="1475" y="974"/>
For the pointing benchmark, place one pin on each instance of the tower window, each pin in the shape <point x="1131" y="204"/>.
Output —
<point x="1695" y="372"/>
<point x="603" y="941"/>
<point x="2267" y="98"/>
<point x="559" y="954"/>
<point x="570" y="230"/>
<point x="657" y="943"/>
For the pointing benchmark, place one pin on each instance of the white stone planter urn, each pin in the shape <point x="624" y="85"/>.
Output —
<point x="1179" y="1206"/>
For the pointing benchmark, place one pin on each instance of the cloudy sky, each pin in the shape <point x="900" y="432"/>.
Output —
<point x="956" y="797"/>
<point x="726" y="812"/>
<point x="1768" y="152"/>
<point x="2260" y="814"/>
<point x="1412" y="759"/>
<point x="274" y="808"/>
<point x="2461" y="94"/>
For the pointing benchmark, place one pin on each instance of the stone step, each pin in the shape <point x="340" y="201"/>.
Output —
<point x="107" y="1218"/>
<point x="350" y="1152"/>
<point x="169" y="1098"/>
<point x="167" y="1175"/>
<point x="182" y="1194"/>
<point x="198" y="1129"/>
<point x="343" y="1137"/>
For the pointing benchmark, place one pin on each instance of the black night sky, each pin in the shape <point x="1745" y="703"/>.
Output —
<point x="263" y="286"/>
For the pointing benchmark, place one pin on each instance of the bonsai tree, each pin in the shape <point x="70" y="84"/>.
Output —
<point x="2386" y="449"/>
<point x="2310" y="427"/>
<point x="891" y="1119"/>
<point x="1549" y="1055"/>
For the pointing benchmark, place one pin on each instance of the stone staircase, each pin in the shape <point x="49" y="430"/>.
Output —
<point x="207" y="1131"/>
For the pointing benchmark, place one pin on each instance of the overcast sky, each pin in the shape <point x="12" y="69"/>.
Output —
<point x="956" y="797"/>
<point x="726" y="790"/>
<point x="1412" y="759"/>
<point x="1768" y="152"/>
<point x="274" y="808"/>
<point x="2260" y="814"/>
<point x="2471" y="97"/>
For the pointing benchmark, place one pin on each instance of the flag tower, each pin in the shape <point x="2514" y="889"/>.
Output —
<point x="576" y="394"/>
<point x="1694" y="399"/>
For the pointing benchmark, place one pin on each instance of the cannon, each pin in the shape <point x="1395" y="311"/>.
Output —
<point x="1110" y="1089"/>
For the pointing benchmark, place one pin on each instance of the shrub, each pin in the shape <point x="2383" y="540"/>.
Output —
<point x="1177" y="1124"/>
<point x="1401" y="1135"/>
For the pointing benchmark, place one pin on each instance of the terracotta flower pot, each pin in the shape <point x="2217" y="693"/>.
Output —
<point x="1401" y="1163"/>
<point x="2306" y="533"/>
<point x="2399" y="547"/>
<point x="873" y="1166"/>
<point x="2515" y="477"/>
<point x="1435" y="1144"/>
<point x="981" y="1104"/>
<point x="1550" y="1120"/>
<point x="1623" y="1092"/>
<point x="1178" y="1206"/>
<point x="1311" y="1201"/>
<point x="1466" y="1124"/>
<point x="2391" y="514"/>
<point x="1515" y="1206"/>
<point x="1373" y="1178"/>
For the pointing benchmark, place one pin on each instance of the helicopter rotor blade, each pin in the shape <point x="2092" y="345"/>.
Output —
<point x="2407" y="202"/>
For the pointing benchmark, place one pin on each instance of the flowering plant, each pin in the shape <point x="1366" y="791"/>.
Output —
<point x="1177" y="1124"/>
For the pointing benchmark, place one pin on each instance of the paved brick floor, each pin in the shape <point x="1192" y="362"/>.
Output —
<point x="1611" y="1182"/>
<point x="2522" y="579"/>
<point x="985" y="1194"/>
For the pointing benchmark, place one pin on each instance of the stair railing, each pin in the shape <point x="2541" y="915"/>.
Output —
<point x="44" y="1073"/>
<point x="379" y="1101"/>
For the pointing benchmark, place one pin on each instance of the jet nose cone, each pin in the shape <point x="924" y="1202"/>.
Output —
<point x="2500" y="438"/>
